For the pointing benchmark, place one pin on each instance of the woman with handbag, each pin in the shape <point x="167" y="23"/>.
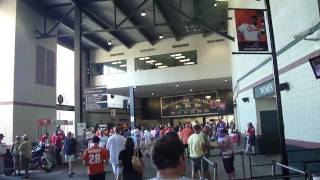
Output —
<point x="132" y="161"/>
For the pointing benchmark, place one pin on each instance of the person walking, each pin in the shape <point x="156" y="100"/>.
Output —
<point x="103" y="138"/>
<point x="69" y="149"/>
<point x="25" y="149"/>
<point x="3" y="151"/>
<point x="94" y="158"/>
<point x="196" y="148"/>
<point x="56" y="141"/>
<point x="16" y="156"/>
<point x="251" y="138"/>
<point x="125" y="161"/>
<point x="168" y="158"/>
<point x="186" y="133"/>
<point x="226" y="149"/>
<point x="115" y="144"/>
<point x="147" y="141"/>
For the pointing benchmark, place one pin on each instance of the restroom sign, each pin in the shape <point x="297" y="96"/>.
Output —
<point x="264" y="89"/>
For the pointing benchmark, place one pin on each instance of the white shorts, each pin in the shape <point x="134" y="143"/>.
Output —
<point x="69" y="158"/>
<point x="116" y="169"/>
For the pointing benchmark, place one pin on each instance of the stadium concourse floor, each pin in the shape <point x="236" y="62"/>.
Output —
<point x="80" y="171"/>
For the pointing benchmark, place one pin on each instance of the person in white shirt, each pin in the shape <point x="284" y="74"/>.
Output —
<point x="147" y="141"/>
<point x="115" y="144"/>
<point x="250" y="31"/>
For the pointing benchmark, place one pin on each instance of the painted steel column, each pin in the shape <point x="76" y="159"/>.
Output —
<point x="132" y="94"/>
<point x="284" y="155"/>
<point x="78" y="67"/>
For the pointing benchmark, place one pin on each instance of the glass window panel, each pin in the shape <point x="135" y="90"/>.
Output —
<point x="166" y="60"/>
<point x="110" y="67"/>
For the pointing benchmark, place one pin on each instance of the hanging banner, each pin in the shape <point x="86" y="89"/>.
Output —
<point x="251" y="30"/>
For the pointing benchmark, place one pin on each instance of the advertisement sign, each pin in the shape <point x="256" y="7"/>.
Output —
<point x="251" y="30"/>
<point x="193" y="105"/>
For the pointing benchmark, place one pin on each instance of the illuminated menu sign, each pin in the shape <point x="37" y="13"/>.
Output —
<point x="193" y="105"/>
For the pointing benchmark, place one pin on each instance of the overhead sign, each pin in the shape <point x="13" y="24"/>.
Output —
<point x="44" y="122"/>
<point x="251" y="30"/>
<point x="265" y="89"/>
<point x="193" y="105"/>
<point x="95" y="98"/>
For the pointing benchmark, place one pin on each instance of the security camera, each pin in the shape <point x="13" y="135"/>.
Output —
<point x="245" y="99"/>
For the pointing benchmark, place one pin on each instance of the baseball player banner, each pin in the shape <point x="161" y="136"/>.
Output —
<point x="251" y="30"/>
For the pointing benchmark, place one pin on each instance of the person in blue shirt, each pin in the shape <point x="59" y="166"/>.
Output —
<point x="69" y="149"/>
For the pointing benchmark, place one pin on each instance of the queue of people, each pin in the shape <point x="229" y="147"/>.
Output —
<point x="125" y="149"/>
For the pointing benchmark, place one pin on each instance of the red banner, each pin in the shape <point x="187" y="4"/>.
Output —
<point x="251" y="30"/>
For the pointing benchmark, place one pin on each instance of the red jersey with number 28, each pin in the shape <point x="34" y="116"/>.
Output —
<point x="95" y="158"/>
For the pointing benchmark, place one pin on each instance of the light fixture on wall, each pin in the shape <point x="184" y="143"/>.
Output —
<point x="143" y="13"/>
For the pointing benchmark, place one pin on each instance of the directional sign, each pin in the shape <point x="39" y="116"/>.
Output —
<point x="95" y="98"/>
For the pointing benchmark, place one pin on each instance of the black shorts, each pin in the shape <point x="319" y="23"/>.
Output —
<point x="228" y="164"/>
<point x="100" y="176"/>
<point x="196" y="164"/>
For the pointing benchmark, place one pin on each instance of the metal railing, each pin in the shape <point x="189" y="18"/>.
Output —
<point x="211" y="163"/>
<point x="307" y="175"/>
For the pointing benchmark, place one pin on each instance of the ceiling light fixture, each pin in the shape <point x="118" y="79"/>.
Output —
<point x="123" y="65"/>
<point x="152" y="94"/>
<point x="225" y="80"/>
<point x="151" y="61"/>
<point x="143" y="13"/>
<point x="190" y="90"/>
<point x="160" y="67"/>
<point x="146" y="58"/>
<point x="184" y="60"/>
<point x="180" y="57"/>
<point x="109" y="43"/>
<point x="161" y="37"/>
<point x="177" y="85"/>
<point x="158" y="64"/>
<point x="141" y="59"/>
<point x="208" y="97"/>
<point x="189" y="63"/>
<point x="116" y="62"/>
<point x="215" y="4"/>
<point x="175" y="55"/>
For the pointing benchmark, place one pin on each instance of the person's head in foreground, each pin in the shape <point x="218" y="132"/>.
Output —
<point x="168" y="157"/>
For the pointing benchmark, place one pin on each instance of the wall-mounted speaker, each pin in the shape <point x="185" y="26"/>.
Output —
<point x="245" y="99"/>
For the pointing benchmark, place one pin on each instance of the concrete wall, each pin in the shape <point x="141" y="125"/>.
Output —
<point x="213" y="62"/>
<point x="33" y="101"/>
<point x="301" y="103"/>
<point x="7" y="36"/>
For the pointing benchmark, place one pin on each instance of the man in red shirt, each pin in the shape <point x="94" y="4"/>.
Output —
<point x="94" y="158"/>
<point x="186" y="132"/>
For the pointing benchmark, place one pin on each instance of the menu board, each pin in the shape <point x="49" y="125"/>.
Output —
<point x="193" y="105"/>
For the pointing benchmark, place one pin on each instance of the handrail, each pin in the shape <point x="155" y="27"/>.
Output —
<point x="212" y="163"/>
<point x="290" y="168"/>
<point x="307" y="175"/>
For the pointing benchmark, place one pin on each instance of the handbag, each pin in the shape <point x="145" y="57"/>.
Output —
<point x="136" y="163"/>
